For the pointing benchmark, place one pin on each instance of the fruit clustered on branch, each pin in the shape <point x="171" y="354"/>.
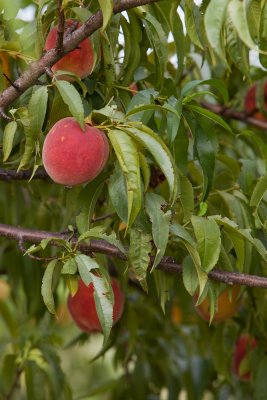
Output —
<point x="110" y="145"/>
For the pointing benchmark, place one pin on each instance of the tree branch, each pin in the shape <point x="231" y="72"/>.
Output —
<point x="168" y="264"/>
<point x="38" y="68"/>
<point x="8" y="175"/>
<point x="238" y="115"/>
<point x="60" y="28"/>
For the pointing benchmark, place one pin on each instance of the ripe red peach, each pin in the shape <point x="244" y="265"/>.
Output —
<point x="227" y="306"/>
<point x="133" y="88"/>
<point x="79" y="61"/>
<point x="243" y="347"/>
<point x="82" y="306"/>
<point x="72" y="156"/>
<point x="251" y="107"/>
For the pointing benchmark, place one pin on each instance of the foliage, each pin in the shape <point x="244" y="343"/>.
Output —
<point x="181" y="182"/>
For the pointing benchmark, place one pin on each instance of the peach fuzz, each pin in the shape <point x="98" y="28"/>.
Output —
<point x="82" y="306"/>
<point x="72" y="156"/>
<point x="79" y="61"/>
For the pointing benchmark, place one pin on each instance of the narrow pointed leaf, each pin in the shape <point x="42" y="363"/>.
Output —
<point x="161" y="154"/>
<point x="139" y="254"/>
<point x="47" y="286"/>
<point x="72" y="98"/>
<point x="127" y="154"/>
<point x="8" y="138"/>
<point x="191" y="246"/>
<point x="107" y="11"/>
<point x="208" y="238"/>
<point x="160" y="224"/>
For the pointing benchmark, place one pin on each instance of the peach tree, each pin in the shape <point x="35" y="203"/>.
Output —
<point x="133" y="199"/>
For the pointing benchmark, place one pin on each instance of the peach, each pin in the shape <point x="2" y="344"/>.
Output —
<point x="79" y="61"/>
<point x="5" y="290"/>
<point x="83" y="309"/>
<point x="228" y="304"/>
<point x="244" y="345"/>
<point x="251" y="107"/>
<point x="133" y="88"/>
<point x="72" y="156"/>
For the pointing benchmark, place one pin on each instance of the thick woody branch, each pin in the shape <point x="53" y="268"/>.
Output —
<point x="99" y="246"/>
<point x="8" y="175"/>
<point x="71" y="42"/>
<point x="238" y="115"/>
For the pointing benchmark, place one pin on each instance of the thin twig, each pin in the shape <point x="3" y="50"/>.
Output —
<point x="10" y="81"/>
<point x="3" y="115"/>
<point x="23" y="250"/>
<point x="234" y="114"/>
<point x="167" y="264"/>
<point x="14" y="385"/>
<point x="103" y="217"/>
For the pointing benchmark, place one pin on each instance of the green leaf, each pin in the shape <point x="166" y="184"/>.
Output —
<point x="237" y="13"/>
<point x="173" y="120"/>
<point x="162" y="287"/>
<point x="263" y="34"/>
<point x="190" y="277"/>
<point x="108" y="59"/>
<point x="161" y="154"/>
<point x="108" y="114"/>
<point x="176" y="26"/>
<point x="237" y="50"/>
<point x="215" y="83"/>
<point x="260" y="385"/>
<point x="208" y="238"/>
<point x="214" y="21"/>
<point x="257" y="244"/>
<point x="72" y="99"/>
<point x="87" y="202"/>
<point x="191" y="246"/>
<point x="205" y="148"/>
<point x="97" y="232"/>
<point x="104" y="299"/>
<point x="86" y="264"/>
<point x="160" y="224"/>
<point x="118" y="193"/>
<point x="132" y="33"/>
<point x="186" y="197"/>
<point x="70" y="267"/>
<point x="37" y="109"/>
<point x="192" y="15"/>
<point x="8" y="138"/>
<point x="254" y="14"/>
<point x="145" y="169"/>
<point x="210" y="115"/>
<point x="245" y="233"/>
<point x="35" y="379"/>
<point x="139" y="254"/>
<point x="36" y="115"/>
<point x="258" y="192"/>
<point x="127" y="154"/>
<point x="159" y="43"/>
<point x="103" y="293"/>
<point x="107" y="11"/>
<point x="47" y="286"/>
<point x="9" y="371"/>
